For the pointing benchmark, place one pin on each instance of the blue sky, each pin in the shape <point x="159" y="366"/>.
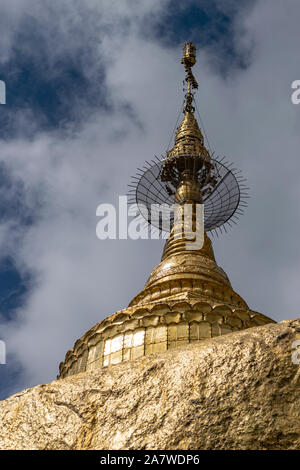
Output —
<point x="93" y="90"/>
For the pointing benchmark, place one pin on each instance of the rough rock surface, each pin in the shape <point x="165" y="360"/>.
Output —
<point x="238" y="391"/>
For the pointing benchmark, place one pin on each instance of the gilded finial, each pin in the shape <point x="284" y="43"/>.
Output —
<point x="189" y="60"/>
<point x="189" y="139"/>
<point x="189" y="173"/>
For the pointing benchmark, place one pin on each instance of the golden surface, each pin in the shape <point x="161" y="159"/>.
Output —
<point x="236" y="391"/>
<point x="189" y="138"/>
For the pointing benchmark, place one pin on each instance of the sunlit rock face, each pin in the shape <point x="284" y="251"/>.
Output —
<point x="237" y="391"/>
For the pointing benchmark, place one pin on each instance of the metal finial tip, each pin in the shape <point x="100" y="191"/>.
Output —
<point x="188" y="60"/>
<point x="189" y="54"/>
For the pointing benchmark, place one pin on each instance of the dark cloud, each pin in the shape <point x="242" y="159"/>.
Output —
<point x="48" y="78"/>
<point x="210" y="25"/>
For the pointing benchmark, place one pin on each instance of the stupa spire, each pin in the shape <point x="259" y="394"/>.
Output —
<point x="189" y="138"/>
<point x="187" y="297"/>
<point x="189" y="60"/>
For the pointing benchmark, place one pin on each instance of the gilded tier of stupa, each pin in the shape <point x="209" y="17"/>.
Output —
<point x="188" y="297"/>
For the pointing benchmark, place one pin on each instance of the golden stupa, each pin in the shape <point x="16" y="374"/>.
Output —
<point x="188" y="297"/>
